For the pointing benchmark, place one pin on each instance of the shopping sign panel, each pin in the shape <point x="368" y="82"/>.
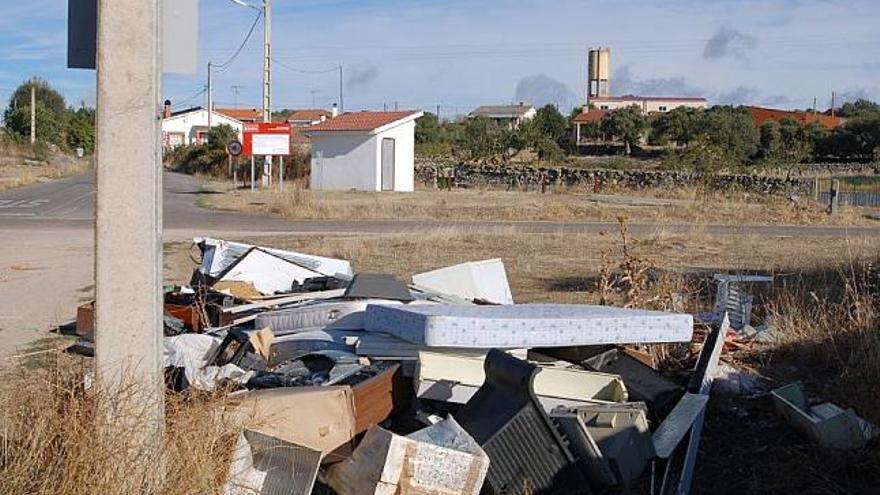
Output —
<point x="271" y="138"/>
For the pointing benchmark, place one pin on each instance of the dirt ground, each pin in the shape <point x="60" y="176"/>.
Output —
<point x="649" y="206"/>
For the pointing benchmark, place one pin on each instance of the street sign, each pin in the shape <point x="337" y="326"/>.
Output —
<point x="234" y="148"/>
<point x="271" y="138"/>
<point x="179" y="35"/>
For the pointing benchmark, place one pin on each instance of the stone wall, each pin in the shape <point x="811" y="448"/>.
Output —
<point x="502" y="176"/>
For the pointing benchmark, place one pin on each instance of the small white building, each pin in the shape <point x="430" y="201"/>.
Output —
<point x="509" y="116"/>
<point x="191" y="126"/>
<point x="366" y="151"/>
<point x="648" y="104"/>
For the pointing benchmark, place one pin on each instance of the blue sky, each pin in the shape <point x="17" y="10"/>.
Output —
<point x="459" y="54"/>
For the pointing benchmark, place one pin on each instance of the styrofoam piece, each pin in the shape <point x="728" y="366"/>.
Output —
<point x="327" y="314"/>
<point x="217" y="255"/>
<point x="456" y="378"/>
<point x="527" y="325"/>
<point x="486" y="280"/>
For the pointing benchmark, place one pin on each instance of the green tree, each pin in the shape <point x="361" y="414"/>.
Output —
<point x="81" y="129"/>
<point x="732" y="129"/>
<point x="221" y="135"/>
<point x="771" y="139"/>
<point x="627" y="124"/>
<point x="680" y="125"/>
<point x="428" y="129"/>
<point x="51" y="116"/>
<point x="859" y="138"/>
<point x="858" y="108"/>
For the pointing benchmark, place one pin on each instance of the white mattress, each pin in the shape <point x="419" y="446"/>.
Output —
<point x="325" y="315"/>
<point x="527" y="325"/>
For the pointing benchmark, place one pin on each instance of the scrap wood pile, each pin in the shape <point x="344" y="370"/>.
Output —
<point x="364" y="384"/>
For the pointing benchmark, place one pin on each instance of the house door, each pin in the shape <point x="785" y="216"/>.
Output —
<point x="387" y="164"/>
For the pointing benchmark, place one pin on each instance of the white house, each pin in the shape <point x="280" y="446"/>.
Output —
<point x="510" y="116"/>
<point x="648" y="104"/>
<point x="366" y="151"/>
<point x="191" y="126"/>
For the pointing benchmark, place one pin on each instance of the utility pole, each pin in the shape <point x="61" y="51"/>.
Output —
<point x="33" y="113"/>
<point x="128" y="290"/>
<point x="313" y="92"/>
<point x="341" y="99"/>
<point x="210" y="98"/>
<point x="438" y="112"/>
<point x="267" y="60"/>
<point x="832" y="104"/>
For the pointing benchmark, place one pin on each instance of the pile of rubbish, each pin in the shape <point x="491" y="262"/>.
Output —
<point x="363" y="384"/>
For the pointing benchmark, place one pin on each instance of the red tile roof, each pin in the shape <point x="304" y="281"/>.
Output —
<point x="242" y="114"/>
<point x="310" y="115"/>
<point x="590" y="116"/>
<point x="761" y="115"/>
<point x="361" y="121"/>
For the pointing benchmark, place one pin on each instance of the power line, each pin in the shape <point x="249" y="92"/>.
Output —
<point x="191" y="98"/>
<point x="225" y="66"/>
<point x="304" y="71"/>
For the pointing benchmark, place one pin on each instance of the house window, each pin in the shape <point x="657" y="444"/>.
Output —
<point x="662" y="108"/>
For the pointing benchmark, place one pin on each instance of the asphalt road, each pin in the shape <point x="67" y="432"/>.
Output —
<point x="47" y="240"/>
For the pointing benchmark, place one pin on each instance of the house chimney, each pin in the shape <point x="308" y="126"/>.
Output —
<point x="334" y="112"/>
<point x="166" y="112"/>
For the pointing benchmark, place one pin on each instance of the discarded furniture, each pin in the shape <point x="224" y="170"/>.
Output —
<point x="476" y="280"/>
<point x="377" y="392"/>
<point x="266" y="465"/>
<point x="824" y="423"/>
<point x="526" y="325"/>
<point x="455" y="378"/>
<point x="318" y="418"/>
<point x="440" y="459"/>
<point x="527" y="454"/>
<point x="612" y="441"/>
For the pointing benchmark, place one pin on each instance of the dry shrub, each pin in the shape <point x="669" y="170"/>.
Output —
<point x="57" y="439"/>
<point x="828" y="323"/>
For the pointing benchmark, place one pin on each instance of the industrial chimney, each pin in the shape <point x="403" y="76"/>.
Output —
<point x="334" y="112"/>
<point x="166" y="112"/>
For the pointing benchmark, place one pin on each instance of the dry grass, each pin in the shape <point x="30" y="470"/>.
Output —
<point x="660" y="206"/>
<point x="56" y="439"/>
<point x="17" y="171"/>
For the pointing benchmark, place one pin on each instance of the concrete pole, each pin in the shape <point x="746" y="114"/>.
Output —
<point x="33" y="113"/>
<point x="128" y="222"/>
<point x="281" y="173"/>
<point x="210" y="98"/>
<point x="253" y="172"/>
<point x="267" y="60"/>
